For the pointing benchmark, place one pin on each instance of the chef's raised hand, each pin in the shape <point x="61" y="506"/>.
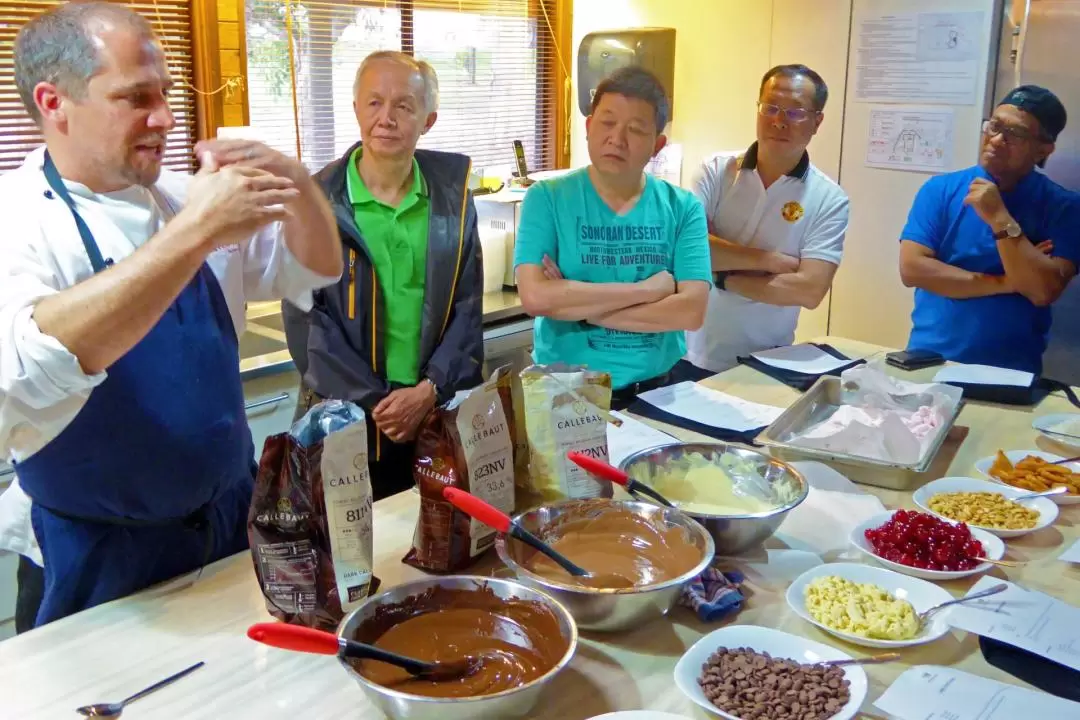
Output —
<point x="251" y="154"/>
<point x="230" y="203"/>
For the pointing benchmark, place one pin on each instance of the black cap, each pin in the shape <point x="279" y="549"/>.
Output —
<point x="1040" y="103"/>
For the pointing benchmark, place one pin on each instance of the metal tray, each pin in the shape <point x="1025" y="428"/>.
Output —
<point x="818" y="404"/>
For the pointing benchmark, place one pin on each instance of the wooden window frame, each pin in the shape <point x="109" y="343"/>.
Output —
<point x="553" y="109"/>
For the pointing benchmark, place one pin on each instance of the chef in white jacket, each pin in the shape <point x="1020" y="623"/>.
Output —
<point x="122" y="293"/>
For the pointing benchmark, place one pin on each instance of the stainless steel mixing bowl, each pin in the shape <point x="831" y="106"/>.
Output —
<point x="733" y="534"/>
<point x="606" y="609"/>
<point x="514" y="703"/>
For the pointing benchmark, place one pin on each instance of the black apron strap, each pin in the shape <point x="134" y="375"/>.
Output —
<point x="52" y="176"/>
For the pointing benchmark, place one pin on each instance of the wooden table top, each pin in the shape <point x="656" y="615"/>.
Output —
<point x="109" y="652"/>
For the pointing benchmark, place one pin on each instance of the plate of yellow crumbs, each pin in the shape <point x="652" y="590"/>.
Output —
<point x="867" y="605"/>
<point x="986" y="505"/>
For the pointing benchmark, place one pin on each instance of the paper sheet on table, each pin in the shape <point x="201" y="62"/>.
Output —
<point x="1072" y="554"/>
<point x="823" y="522"/>
<point x="983" y="375"/>
<point x="932" y="692"/>
<point x="711" y="407"/>
<point x="1027" y="619"/>
<point x="632" y="436"/>
<point x="803" y="358"/>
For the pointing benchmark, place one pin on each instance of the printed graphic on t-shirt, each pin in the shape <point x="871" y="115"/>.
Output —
<point x="635" y="252"/>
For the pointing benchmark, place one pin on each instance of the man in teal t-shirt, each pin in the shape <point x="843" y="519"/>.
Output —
<point x="612" y="261"/>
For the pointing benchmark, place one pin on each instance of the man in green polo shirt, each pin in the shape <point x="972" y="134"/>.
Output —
<point x="401" y="331"/>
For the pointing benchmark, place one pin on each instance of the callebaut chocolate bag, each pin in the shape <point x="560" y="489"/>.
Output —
<point x="468" y="444"/>
<point x="310" y="525"/>
<point x="562" y="407"/>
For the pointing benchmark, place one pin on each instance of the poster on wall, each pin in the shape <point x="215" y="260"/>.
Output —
<point x="919" y="139"/>
<point x="919" y="58"/>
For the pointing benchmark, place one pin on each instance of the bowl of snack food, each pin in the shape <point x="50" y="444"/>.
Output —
<point x="985" y="505"/>
<point x="1034" y="471"/>
<point x="522" y="638"/>
<point x="867" y="605"/>
<point x="740" y="495"/>
<point x="651" y="551"/>
<point x="925" y="546"/>
<point x="708" y="674"/>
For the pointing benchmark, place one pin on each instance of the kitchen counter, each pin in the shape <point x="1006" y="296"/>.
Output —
<point x="108" y="652"/>
<point x="263" y="350"/>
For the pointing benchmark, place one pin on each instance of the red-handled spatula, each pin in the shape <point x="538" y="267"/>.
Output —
<point x="309" y="640"/>
<point x="613" y="474"/>
<point x="495" y="518"/>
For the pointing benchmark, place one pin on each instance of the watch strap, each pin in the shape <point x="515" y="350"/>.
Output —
<point x="720" y="279"/>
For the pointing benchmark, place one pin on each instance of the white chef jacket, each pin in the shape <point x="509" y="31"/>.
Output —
<point x="803" y="214"/>
<point x="42" y="385"/>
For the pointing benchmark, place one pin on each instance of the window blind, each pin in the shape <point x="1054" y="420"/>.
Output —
<point x="496" y="61"/>
<point x="172" y="22"/>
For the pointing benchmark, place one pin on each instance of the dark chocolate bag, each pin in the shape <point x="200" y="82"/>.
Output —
<point x="468" y="444"/>
<point x="310" y="525"/>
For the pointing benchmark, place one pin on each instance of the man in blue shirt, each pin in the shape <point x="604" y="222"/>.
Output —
<point x="989" y="248"/>
<point x="615" y="262"/>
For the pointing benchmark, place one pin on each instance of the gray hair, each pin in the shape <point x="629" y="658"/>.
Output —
<point x="58" y="47"/>
<point x="421" y="67"/>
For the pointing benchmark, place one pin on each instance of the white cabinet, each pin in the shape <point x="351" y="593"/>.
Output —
<point x="271" y="402"/>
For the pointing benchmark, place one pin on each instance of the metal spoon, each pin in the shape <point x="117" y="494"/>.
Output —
<point x="925" y="614"/>
<point x="869" y="660"/>
<point x="1059" y="490"/>
<point x="113" y="710"/>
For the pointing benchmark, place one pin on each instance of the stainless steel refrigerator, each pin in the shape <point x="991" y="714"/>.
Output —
<point x="1040" y="45"/>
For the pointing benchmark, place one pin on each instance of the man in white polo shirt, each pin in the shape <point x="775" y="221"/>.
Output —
<point x="776" y="226"/>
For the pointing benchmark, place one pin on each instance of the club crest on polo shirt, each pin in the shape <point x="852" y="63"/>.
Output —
<point x="792" y="211"/>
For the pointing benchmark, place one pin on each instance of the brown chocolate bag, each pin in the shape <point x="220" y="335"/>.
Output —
<point x="310" y="525"/>
<point x="468" y="444"/>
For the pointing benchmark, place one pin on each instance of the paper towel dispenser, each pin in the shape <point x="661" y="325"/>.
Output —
<point x="602" y="52"/>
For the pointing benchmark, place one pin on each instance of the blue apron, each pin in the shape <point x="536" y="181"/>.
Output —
<point x="153" y="477"/>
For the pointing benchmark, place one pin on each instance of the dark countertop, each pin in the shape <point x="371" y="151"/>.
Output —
<point x="263" y="350"/>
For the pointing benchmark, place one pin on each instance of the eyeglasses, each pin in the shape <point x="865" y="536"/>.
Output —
<point x="792" y="115"/>
<point x="1010" y="134"/>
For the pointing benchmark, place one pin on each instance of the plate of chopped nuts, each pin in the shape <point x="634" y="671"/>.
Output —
<point x="986" y="505"/>
<point x="743" y="671"/>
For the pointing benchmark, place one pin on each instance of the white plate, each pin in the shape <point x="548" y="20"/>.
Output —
<point x="921" y="594"/>
<point x="1015" y="456"/>
<point x="1047" y="424"/>
<point x="778" y="644"/>
<point x="1046" y="508"/>
<point x="994" y="547"/>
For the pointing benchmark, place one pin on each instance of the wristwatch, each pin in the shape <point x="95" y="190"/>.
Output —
<point x="434" y="387"/>
<point x="1011" y="230"/>
<point x="719" y="279"/>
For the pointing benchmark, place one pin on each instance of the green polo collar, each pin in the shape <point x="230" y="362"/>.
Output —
<point x="359" y="193"/>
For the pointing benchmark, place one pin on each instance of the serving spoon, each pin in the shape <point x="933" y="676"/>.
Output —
<point x="994" y="590"/>
<point x="113" y="710"/>
<point x="320" y="642"/>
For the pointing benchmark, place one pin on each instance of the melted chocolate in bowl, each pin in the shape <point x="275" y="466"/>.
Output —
<point x="618" y="547"/>
<point x="516" y="641"/>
